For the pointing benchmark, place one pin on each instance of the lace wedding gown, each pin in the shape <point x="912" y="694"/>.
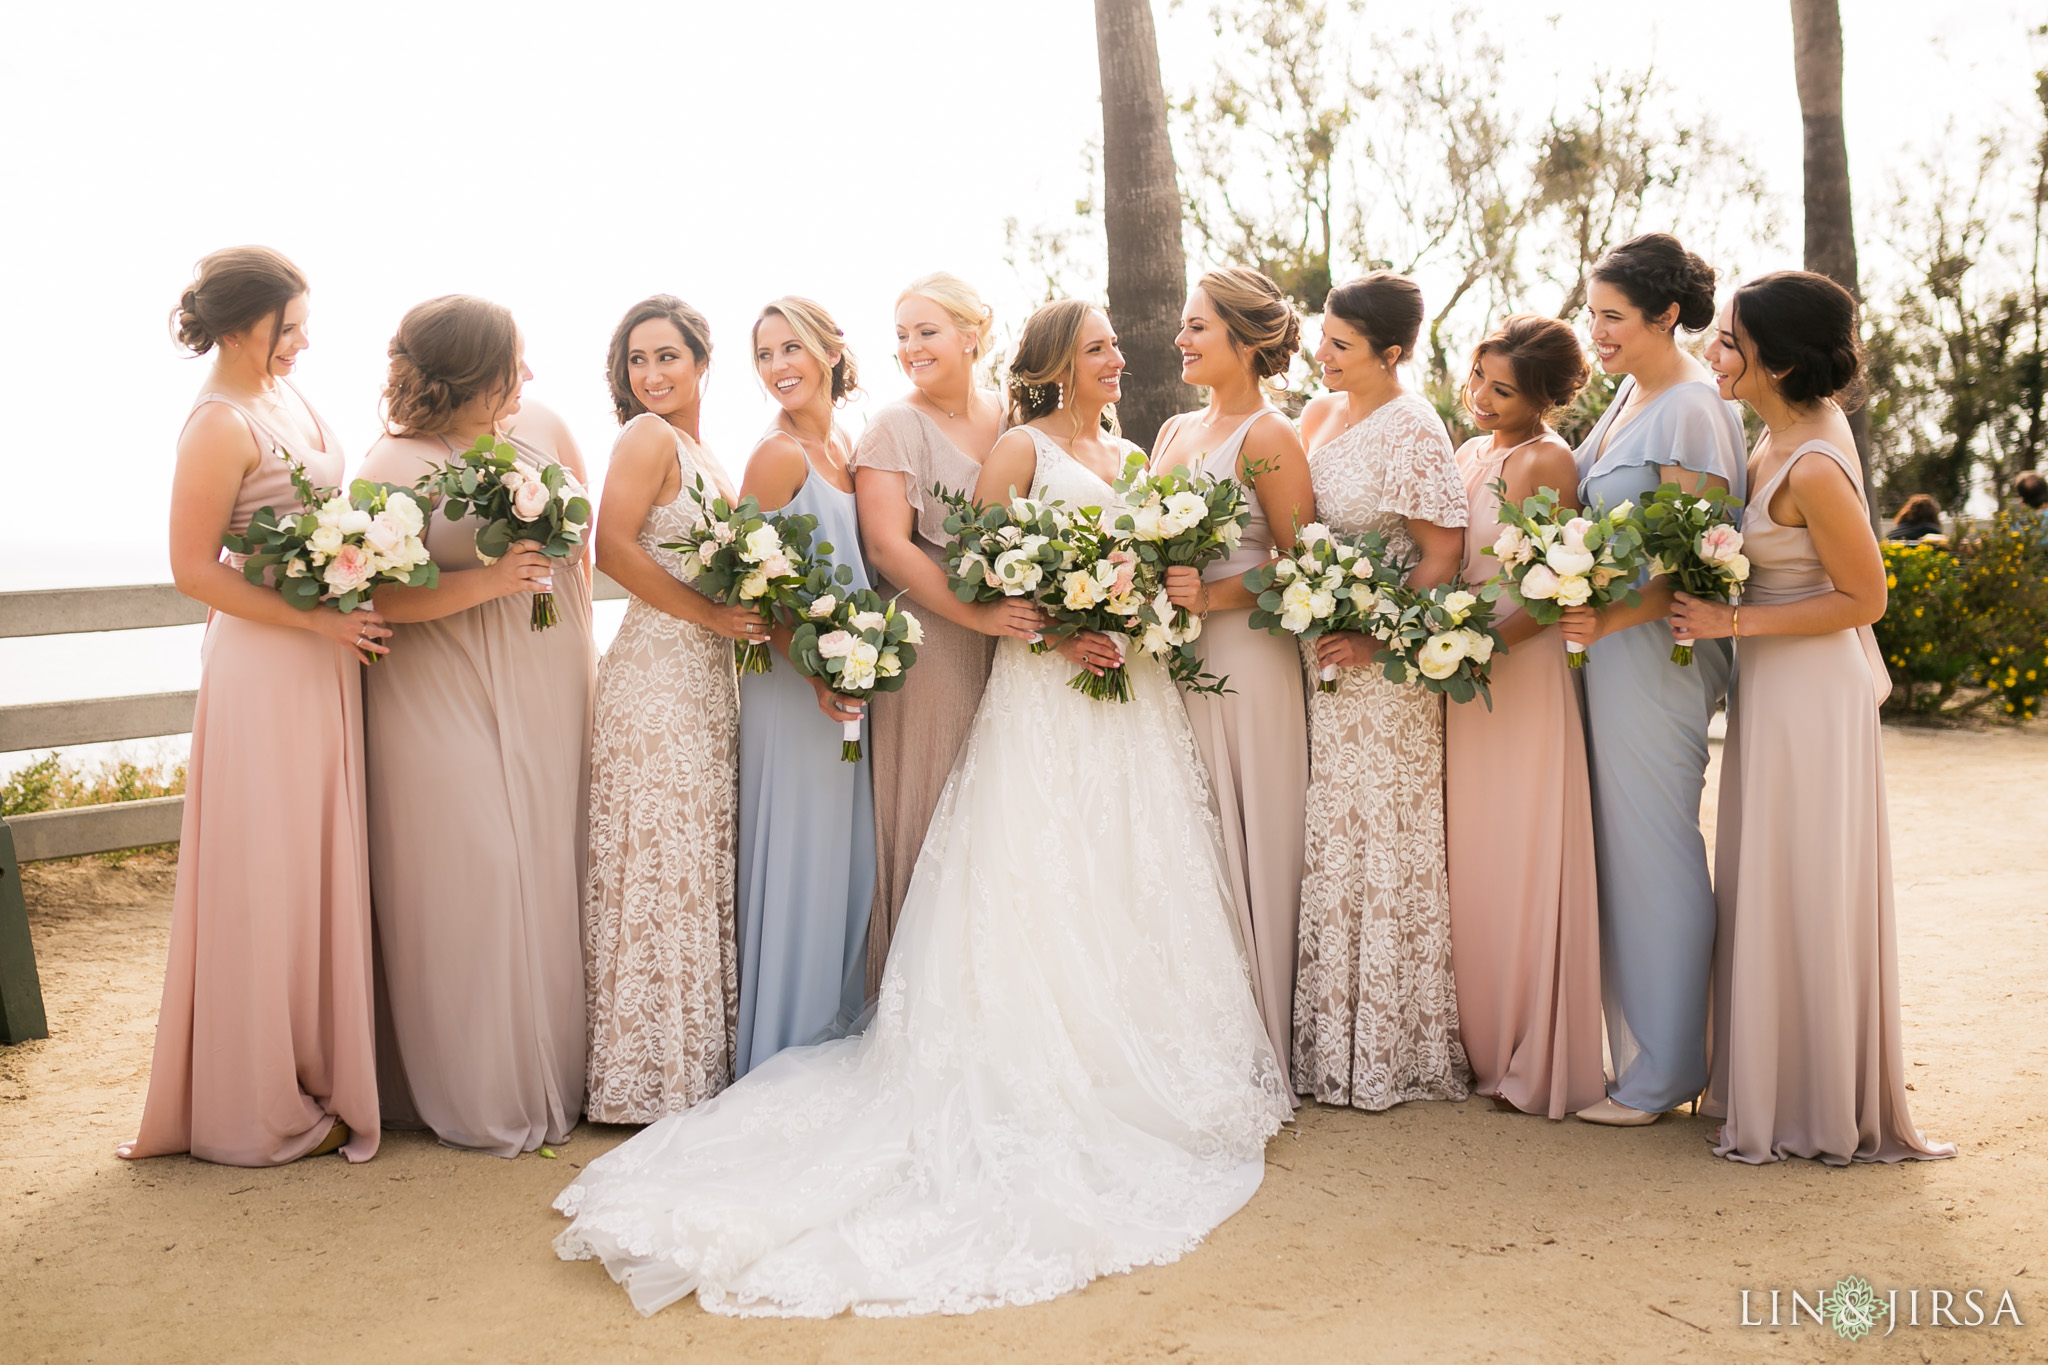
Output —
<point x="1065" y="1076"/>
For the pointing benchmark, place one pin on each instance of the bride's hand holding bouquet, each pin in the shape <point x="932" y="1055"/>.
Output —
<point x="517" y="502"/>
<point x="1179" y="523"/>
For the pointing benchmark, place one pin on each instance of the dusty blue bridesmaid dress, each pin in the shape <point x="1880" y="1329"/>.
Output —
<point x="1646" y="749"/>
<point x="807" y="842"/>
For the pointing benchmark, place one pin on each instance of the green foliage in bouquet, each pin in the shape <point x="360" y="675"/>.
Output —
<point x="337" y="549"/>
<point x="743" y="556"/>
<point x="1006" y="549"/>
<point x="1442" y="639"/>
<point x="859" y="644"/>
<point x="488" y="480"/>
<point x="1695" y="540"/>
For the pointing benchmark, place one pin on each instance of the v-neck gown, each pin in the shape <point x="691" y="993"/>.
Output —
<point x="267" y="1033"/>
<point x="1808" y="1055"/>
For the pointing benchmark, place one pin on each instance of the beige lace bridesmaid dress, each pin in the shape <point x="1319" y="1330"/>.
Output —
<point x="916" y="732"/>
<point x="659" y="960"/>
<point x="266" y="1034"/>
<point x="1375" y="1015"/>
<point x="1807" y="1054"/>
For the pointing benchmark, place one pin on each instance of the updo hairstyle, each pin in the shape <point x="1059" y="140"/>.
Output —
<point x="959" y="301"/>
<point x="448" y="351"/>
<point x="1386" y="307"/>
<point x="820" y="337"/>
<point x="1046" y="356"/>
<point x="687" y="320"/>
<point x="234" y="289"/>
<point x="1801" y="327"/>
<point x="1542" y="353"/>
<point x="1257" y="315"/>
<point x="1653" y="271"/>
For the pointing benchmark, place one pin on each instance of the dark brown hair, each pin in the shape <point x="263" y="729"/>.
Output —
<point x="1542" y="353"/>
<point x="448" y="351"/>
<point x="1919" y="508"/>
<point x="1802" y="329"/>
<point x="687" y="320"/>
<point x="1654" y="272"/>
<point x="232" y="290"/>
<point x="2031" y="489"/>
<point x="1257" y="316"/>
<point x="1385" y="306"/>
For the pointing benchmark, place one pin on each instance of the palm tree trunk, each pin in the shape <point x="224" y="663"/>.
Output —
<point x="1830" y="225"/>
<point x="1141" y="217"/>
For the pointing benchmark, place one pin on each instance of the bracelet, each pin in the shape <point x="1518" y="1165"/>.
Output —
<point x="1735" y="622"/>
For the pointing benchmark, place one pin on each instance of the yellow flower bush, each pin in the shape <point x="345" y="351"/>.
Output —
<point x="1976" y="617"/>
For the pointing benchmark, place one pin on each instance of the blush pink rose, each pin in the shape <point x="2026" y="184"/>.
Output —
<point x="530" y="500"/>
<point x="348" y="570"/>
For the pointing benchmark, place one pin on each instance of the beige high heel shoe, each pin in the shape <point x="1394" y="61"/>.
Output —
<point x="1613" y="1115"/>
<point x="337" y="1137"/>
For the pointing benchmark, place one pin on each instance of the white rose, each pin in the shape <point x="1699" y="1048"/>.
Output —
<point x="1567" y="561"/>
<point x="1016" y="573"/>
<point x="888" y="666"/>
<point x="1459" y="604"/>
<point x="1284" y="570"/>
<point x="405" y="514"/>
<point x="1361" y="567"/>
<point x="1511" y="546"/>
<point x="1297" y="596"/>
<point x="707" y="549"/>
<point x="1031" y="545"/>
<point x="384" y="536"/>
<point x="512" y="480"/>
<point x="822" y="607"/>
<point x="295" y="568"/>
<point x="1313" y="532"/>
<point x="1295" y="618"/>
<point x="326" y="539"/>
<point x="1081" y="590"/>
<point x="329" y="513"/>
<point x="973" y="566"/>
<point x="913" y="629"/>
<point x="1539" y="584"/>
<point x="777" y="565"/>
<point x="722" y="532"/>
<point x="869" y="620"/>
<point x="836" y="644"/>
<point x="1440" y="656"/>
<point x="753" y="585"/>
<point x="1478" y="645"/>
<point x="1010" y="535"/>
<point x="1146" y="523"/>
<point x="1322" y="604"/>
<point x="1738" y="568"/>
<point x="1574" y="591"/>
<point x="1573" y="536"/>
<point x="762" y="542"/>
<point x="1230" y="533"/>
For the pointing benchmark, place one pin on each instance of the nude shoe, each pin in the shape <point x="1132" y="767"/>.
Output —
<point x="336" y="1138"/>
<point x="1614" y="1115"/>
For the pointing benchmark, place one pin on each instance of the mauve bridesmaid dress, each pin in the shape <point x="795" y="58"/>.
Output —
<point x="266" y="1034"/>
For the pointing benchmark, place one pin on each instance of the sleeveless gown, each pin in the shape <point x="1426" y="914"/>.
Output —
<point x="267" y="1033"/>
<point x="918" y="729"/>
<point x="1254" y="742"/>
<point x="1375" y="1013"/>
<point x="660" y="957"/>
<point x="1646" y="746"/>
<point x="806" y="878"/>
<point x="1808" y="1058"/>
<point x="1518" y="839"/>
<point x="479" y="760"/>
<point x="1065" y="1076"/>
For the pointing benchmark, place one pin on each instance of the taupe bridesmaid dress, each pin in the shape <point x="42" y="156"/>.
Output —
<point x="660" y="960"/>
<point x="266" y="1034"/>
<point x="915" y="733"/>
<point x="1254" y="742"/>
<point x="478" y="740"/>
<point x="1518" y="841"/>
<point x="1807" y="1054"/>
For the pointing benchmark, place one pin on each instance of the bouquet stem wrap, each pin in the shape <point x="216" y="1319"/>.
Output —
<point x="849" y="741"/>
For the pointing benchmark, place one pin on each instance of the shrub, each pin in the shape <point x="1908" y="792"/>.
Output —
<point x="49" y="783"/>
<point x="1925" y="635"/>
<point x="1977" y="618"/>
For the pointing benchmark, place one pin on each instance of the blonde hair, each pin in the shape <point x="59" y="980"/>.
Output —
<point x="820" y="337"/>
<point x="1046" y="356"/>
<point x="1257" y="316"/>
<point x="958" y="300"/>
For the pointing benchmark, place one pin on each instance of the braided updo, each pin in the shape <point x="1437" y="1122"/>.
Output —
<point x="447" y="352"/>
<point x="1654" y="272"/>
<point x="1257" y="315"/>
<point x="1801" y="328"/>
<point x="232" y="290"/>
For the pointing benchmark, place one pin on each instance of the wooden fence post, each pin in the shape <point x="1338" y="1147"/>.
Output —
<point x="21" y="993"/>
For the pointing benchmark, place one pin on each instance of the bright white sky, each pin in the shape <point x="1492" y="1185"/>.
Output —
<point x="567" y="160"/>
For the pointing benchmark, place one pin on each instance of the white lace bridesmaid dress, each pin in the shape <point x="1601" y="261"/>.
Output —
<point x="1065" y="1076"/>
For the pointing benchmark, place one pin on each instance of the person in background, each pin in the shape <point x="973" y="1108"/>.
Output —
<point x="1918" y="519"/>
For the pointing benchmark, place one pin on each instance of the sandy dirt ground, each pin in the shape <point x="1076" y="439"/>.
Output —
<point x="1435" y="1232"/>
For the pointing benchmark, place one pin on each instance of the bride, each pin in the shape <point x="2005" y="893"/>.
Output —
<point x="1065" y="1076"/>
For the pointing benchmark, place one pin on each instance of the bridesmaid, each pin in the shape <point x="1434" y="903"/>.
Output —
<point x="807" y="817"/>
<point x="1518" y="816"/>
<point x="1808" y="1058"/>
<point x="265" y="1042"/>
<point x="938" y="435"/>
<point x="1375" y="1015"/>
<point x="1236" y="332"/>
<point x="479" y="754"/>
<point x="660" y="960"/>
<point x="1646" y="717"/>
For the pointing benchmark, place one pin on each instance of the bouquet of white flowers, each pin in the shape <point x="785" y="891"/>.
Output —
<point x="744" y="556"/>
<point x="1177" y="520"/>
<point x="1007" y="549"/>
<point x="860" y="645"/>
<point x="1098" y="586"/>
<point x="338" y="548"/>
<point x="1692" y="539"/>
<point x="1325" y="585"/>
<point x="1440" y="638"/>
<point x="1548" y="563"/>
<point x="515" y="501"/>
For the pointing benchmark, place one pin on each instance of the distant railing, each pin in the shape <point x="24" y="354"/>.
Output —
<point x="52" y="724"/>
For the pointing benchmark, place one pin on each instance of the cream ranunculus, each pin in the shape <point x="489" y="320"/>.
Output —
<point x="1539" y="584"/>
<point x="836" y="644"/>
<point x="326" y="540"/>
<point x="753" y="585"/>
<point x="1568" y="561"/>
<point x="762" y="542"/>
<point x="1017" y="573"/>
<point x="1284" y="570"/>
<point x="1738" y="567"/>
<point x="1574" y="590"/>
<point x="1081" y="591"/>
<point x="1511" y="546"/>
<point x="1440" y="656"/>
<point x="822" y="607"/>
<point x="1478" y="645"/>
<point x="1459" y="604"/>
<point x="888" y="666"/>
<point x="384" y="536"/>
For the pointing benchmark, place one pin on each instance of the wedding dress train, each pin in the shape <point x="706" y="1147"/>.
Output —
<point x="1065" y="1076"/>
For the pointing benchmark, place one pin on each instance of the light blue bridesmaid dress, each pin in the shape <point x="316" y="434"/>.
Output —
<point x="1646" y="748"/>
<point x="807" y="841"/>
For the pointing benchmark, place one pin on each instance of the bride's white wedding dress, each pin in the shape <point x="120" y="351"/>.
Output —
<point x="1065" y="1076"/>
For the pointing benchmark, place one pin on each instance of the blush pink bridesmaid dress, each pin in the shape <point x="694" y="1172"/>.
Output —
<point x="1807" y="1054"/>
<point x="1518" y="816"/>
<point x="266" y="1033"/>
